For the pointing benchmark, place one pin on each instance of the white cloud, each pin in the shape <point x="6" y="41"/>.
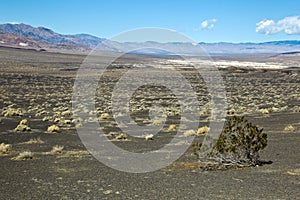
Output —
<point x="288" y="25"/>
<point x="208" y="24"/>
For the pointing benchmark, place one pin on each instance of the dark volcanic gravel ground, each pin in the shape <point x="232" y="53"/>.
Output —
<point x="82" y="176"/>
<point x="76" y="174"/>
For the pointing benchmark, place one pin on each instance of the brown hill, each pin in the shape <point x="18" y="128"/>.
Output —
<point x="8" y="39"/>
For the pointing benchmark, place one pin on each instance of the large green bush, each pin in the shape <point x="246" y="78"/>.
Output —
<point x="240" y="142"/>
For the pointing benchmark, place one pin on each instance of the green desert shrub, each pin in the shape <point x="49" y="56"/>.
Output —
<point x="239" y="143"/>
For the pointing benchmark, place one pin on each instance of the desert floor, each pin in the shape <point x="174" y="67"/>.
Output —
<point x="38" y="86"/>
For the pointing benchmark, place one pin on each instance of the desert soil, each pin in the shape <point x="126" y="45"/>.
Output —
<point x="40" y="85"/>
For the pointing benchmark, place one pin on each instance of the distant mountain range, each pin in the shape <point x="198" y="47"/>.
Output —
<point x="26" y="36"/>
<point x="47" y="36"/>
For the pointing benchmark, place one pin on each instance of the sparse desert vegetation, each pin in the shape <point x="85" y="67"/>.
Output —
<point x="172" y="127"/>
<point x="149" y="137"/>
<point x="57" y="149"/>
<point x="121" y="136"/>
<point x="38" y="86"/>
<point x="23" y="126"/>
<point x="289" y="128"/>
<point x="202" y="130"/>
<point x="10" y="111"/>
<point x="5" y="148"/>
<point x="53" y="129"/>
<point x="25" y="155"/>
<point x="35" y="141"/>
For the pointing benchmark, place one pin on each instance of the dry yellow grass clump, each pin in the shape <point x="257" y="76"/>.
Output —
<point x="23" y="126"/>
<point x="67" y="121"/>
<point x="121" y="136"/>
<point x="172" y="127"/>
<point x="203" y="130"/>
<point x="35" y="141"/>
<point x="66" y="113"/>
<point x="149" y="137"/>
<point x="289" y="128"/>
<point x="53" y="129"/>
<point x="5" y="148"/>
<point x="265" y="111"/>
<point x="57" y="149"/>
<point x="25" y="155"/>
<point x="104" y="116"/>
<point x="24" y="122"/>
<point x="9" y="112"/>
<point x="57" y="120"/>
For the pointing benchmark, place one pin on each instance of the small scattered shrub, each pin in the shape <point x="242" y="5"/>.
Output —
<point x="172" y="127"/>
<point x="289" y="128"/>
<point x="121" y="136"/>
<point x="67" y="121"/>
<point x="5" y="148"/>
<point x="41" y="113"/>
<point x="24" y="122"/>
<point x="35" y="141"/>
<point x="66" y="113"/>
<point x="202" y="130"/>
<point x="265" y="111"/>
<point x="23" y="126"/>
<point x="149" y="137"/>
<point x="104" y="116"/>
<point x="57" y="120"/>
<point x="10" y="112"/>
<point x="53" y="129"/>
<point x="47" y="118"/>
<point x="274" y="109"/>
<point x="26" y="155"/>
<point x="57" y="149"/>
<point x="112" y="134"/>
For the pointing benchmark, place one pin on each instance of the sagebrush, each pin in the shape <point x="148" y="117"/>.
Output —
<point x="239" y="143"/>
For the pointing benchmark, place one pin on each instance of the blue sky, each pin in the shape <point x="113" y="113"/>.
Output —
<point x="201" y="20"/>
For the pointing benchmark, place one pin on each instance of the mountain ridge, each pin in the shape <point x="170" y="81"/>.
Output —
<point x="41" y="37"/>
<point x="48" y="36"/>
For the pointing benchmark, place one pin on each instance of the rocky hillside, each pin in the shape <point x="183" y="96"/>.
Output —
<point x="46" y="36"/>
